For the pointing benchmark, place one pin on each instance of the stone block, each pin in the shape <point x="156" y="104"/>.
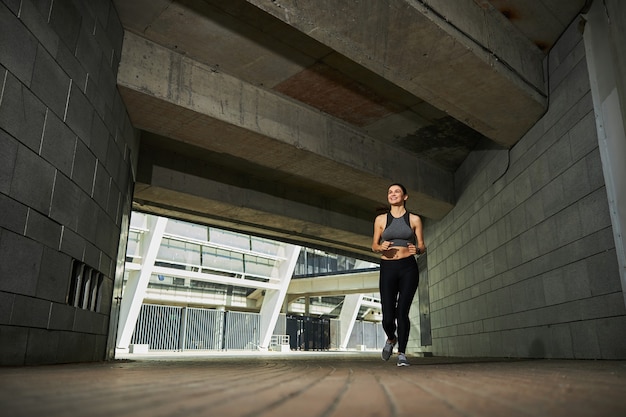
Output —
<point x="84" y="167"/>
<point x="595" y="175"/>
<point x="61" y="317"/>
<point x="6" y="307"/>
<point x="115" y="164"/>
<point x="65" y="19"/>
<point x="13" y="342"/>
<point x="21" y="113"/>
<point x="33" y="180"/>
<point x="546" y="235"/>
<point x="73" y="244"/>
<point x="107" y="264"/>
<point x="7" y="161"/>
<point x="54" y="276"/>
<point x="568" y="225"/>
<point x="517" y="221"/>
<point x="35" y="18"/>
<point x="58" y="144"/>
<point x="80" y="114"/>
<point x="559" y="157"/>
<point x="30" y="312"/>
<point x="70" y="64"/>
<point x="18" y="47"/>
<point x="534" y="211"/>
<point x="100" y="138"/>
<point x="65" y="207"/>
<point x="42" y="347"/>
<point x="539" y="173"/>
<point x="89" y="53"/>
<point x="113" y="203"/>
<point x="603" y="272"/>
<point x="554" y="287"/>
<point x="42" y="229"/>
<point x="528" y="244"/>
<point x="560" y="341"/>
<point x="100" y="100"/>
<point x="88" y="322"/>
<point x="92" y="255"/>
<point x="585" y="339"/>
<point x="101" y="185"/>
<point x="552" y="197"/>
<point x="583" y="137"/>
<point x="50" y="83"/>
<point x="106" y="292"/>
<point x="14" y="214"/>
<point x="76" y="347"/>
<point x="20" y="260"/>
<point x="610" y="330"/>
<point x="594" y="208"/>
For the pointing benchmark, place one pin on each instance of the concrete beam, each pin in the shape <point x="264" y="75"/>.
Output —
<point x="356" y="283"/>
<point x="180" y="98"/>
<point x="463" y="57"/>
<point x="205" y="201"/>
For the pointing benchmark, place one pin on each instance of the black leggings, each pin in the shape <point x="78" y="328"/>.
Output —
<point x="398" y="284"/>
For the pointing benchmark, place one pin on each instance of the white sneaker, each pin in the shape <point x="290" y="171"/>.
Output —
<point x="388" y="350"/>
<point x="402" y="361"/>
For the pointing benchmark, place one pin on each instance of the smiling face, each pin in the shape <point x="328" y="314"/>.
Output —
<point x="396" y="196"/>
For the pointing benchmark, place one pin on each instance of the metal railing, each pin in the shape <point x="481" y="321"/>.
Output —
<point x="186" y="328"/>
<point x="279" y="342"/>
<point x="175" y="328"/>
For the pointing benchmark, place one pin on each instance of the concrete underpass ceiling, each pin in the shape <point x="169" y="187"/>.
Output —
<point x="289" y="119"/>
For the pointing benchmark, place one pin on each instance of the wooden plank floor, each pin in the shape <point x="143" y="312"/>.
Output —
<point x="322" y="384"/>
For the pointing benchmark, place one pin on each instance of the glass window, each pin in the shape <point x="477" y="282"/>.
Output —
<point x="265" y="246"/>
<point x="259" y="266"/>
<point x="228" y="238"/>
<point x="133" y="247"/>
<point x="175" y="251"/>
<point x="188" y="230"/>
<point x="221" y="259"/>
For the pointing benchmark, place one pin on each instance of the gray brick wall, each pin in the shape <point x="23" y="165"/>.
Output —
<point x="525" y="264"/>
<point x="66" y="157"/>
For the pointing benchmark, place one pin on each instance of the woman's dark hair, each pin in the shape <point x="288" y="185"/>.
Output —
<point x="402" y="187"/>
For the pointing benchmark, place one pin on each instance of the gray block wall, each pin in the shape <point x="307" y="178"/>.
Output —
<point x="525" y="264"/>
<point x="67" y="152"/>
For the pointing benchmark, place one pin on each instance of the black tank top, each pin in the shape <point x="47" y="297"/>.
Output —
<point x="398" y="230"/>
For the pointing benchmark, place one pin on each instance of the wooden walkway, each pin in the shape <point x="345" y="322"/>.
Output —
<point x="323" y="384"/>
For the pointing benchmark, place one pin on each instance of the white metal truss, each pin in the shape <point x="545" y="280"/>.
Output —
<point x="274" y="298"/>
<point x="135" y="290"/>
<point x="150" y="259"/>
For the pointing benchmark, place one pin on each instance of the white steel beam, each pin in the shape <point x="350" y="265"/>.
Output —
<point x="273" y="300"/>
<point x="137" y="283"/>
<point x="347" y="317"/>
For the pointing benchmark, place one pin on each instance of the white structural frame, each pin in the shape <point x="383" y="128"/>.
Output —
<point x="606" y="77"/>
<point x="135" y="291"/>
<point x="274" y="288"/>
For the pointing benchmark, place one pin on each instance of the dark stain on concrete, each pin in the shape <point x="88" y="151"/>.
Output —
<point x="447" y="142"/>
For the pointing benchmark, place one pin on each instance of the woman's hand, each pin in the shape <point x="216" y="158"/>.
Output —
<point x="385" y="245"/>
<point x="414" y="250"/>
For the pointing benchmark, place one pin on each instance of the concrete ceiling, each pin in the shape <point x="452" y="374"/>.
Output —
<point x="289" y="119"/>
